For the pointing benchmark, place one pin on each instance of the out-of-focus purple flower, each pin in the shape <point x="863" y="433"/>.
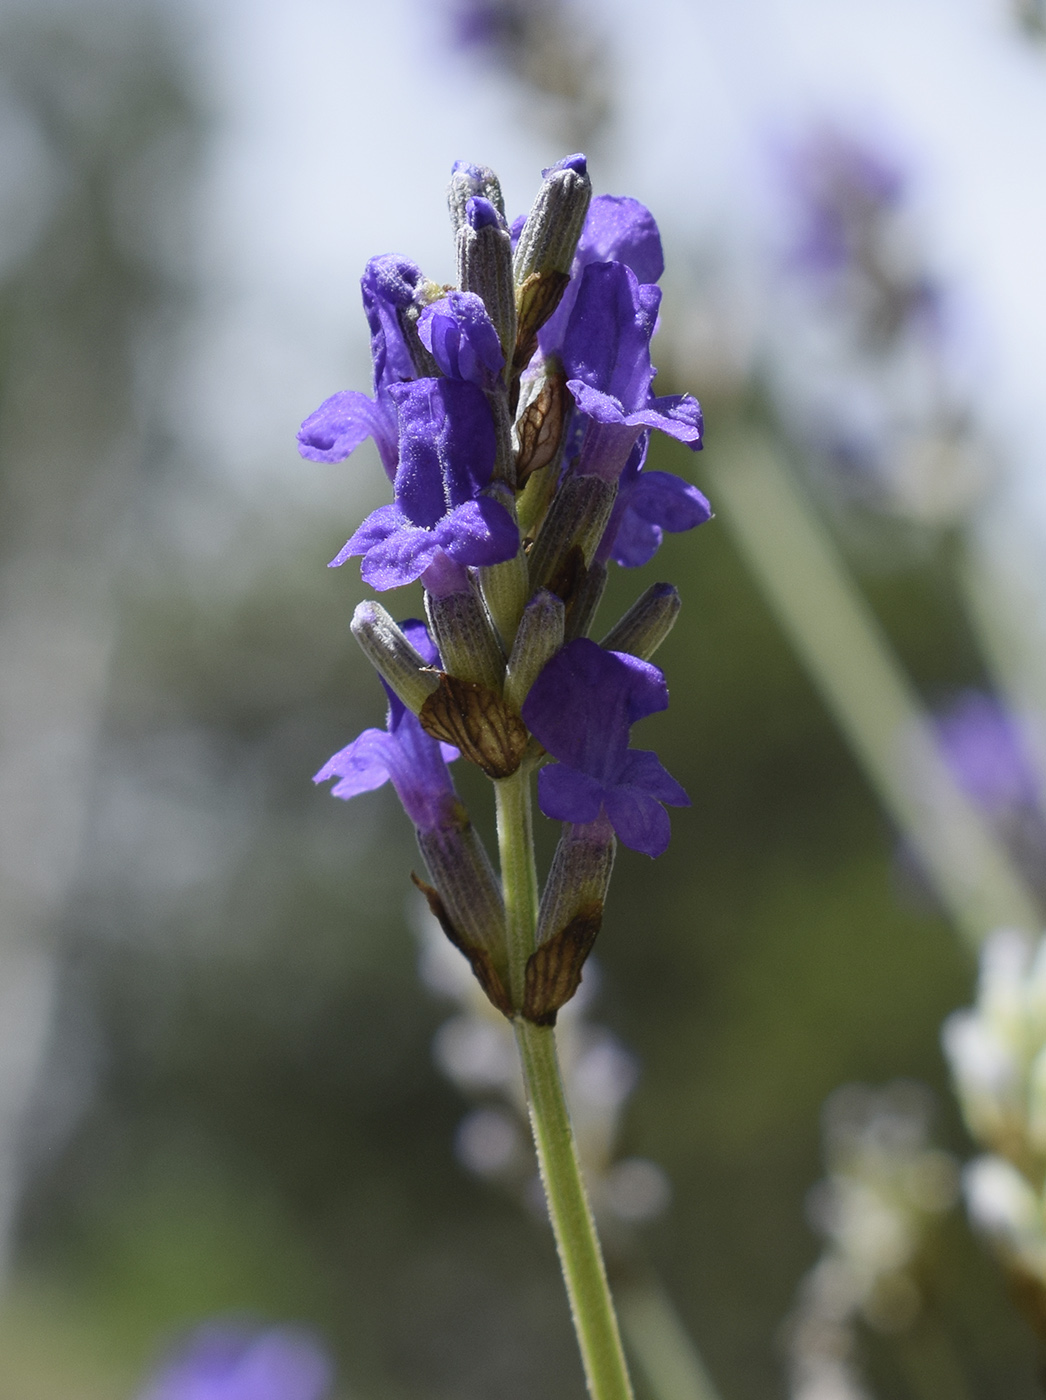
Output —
<point x="461" y="338"/>
<point x="617" y="229"/>
<point x="840" y="185"/>
<point x="224" y="1362"/>
<point x="581" y="708"/>
<point x="648" y="504"/>
<point x="606" y="356"/>
<point x="446" y="458"/>
<point x="983" y="748"/>
<point x="401" y="753"/>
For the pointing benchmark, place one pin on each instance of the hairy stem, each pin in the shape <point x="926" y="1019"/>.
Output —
<point x="580" y="1256"/>
<point x="591" y="1306"/>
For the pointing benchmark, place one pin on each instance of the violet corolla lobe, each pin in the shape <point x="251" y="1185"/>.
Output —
<point x="647" y="504"/>
<point x="581" y="708"/>
<point x="401" y="753"/>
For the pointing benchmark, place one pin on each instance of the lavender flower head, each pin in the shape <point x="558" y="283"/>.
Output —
<point x="226" y="1362"/>
<point x="513" y="414"/>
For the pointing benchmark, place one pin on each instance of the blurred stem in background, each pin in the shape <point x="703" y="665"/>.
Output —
<point x="851" y="662"/>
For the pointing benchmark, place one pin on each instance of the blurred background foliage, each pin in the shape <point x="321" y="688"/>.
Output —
<point x="234" y="1106"/>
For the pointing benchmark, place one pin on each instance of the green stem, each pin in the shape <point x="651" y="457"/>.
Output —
<point x="518" y="876"/>
<point x="580" y="1256"/>
<point x="591" y="1306"/>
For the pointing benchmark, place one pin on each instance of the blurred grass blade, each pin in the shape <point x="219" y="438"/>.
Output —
<point x="660" y="1344"/>
<point x="871" y="698"/>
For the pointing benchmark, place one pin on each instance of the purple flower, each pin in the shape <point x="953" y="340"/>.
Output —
<point x="222" y="1362"/>
<point x="461" y="337"/>
<point x="446" y="458"/>
<point x="401" y="753"/>
<point x="648" y="504"/>
<point x="606" y="356"/>
<point x="348" y="418"/>
<point x="617" y="229"/>
<point x="581" y="708"/>
<point x="983" y="748"/>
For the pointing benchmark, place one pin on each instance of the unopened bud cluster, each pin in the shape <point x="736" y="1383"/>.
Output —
<point x="512" y="414"/>
<point x="997" y="1051"/>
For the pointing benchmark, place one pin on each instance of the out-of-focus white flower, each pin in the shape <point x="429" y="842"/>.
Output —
<point x="884" y="1187"/>
<point x="997" y="1052"/>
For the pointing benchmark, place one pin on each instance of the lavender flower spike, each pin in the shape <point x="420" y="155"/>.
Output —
<point x="581" y="708"/>
<point x="223" y="1362"/>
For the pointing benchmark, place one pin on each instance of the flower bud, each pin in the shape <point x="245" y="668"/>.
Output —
<point x="467" y="901"/>
<point x="570" y="917"/>
<point x="402" y="668"/>
<point x="485" y="266"/>
<point x="574" y="526"/>
<point x="647" y="623"/>
<point x="548" y="239"/>
<point x="546" y="248"/>
<point x="463" y="632"/>
<point x="467" y="182"/>
<point x="539" y="637"/>
<point x="505" y="587"/>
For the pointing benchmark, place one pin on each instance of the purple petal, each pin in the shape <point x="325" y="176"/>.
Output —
<point x="361" y="766"/>
<point x="644" y="772"/>
<point x="481" y="213"/>
<point x="417" y="633"/>
<point x="635" y="541"/>
<point x="461" y="337"/>
<point x="607" y="342"/>
<point x="667" y="500"/>
<point x="377" y="527"/>
<point x="641" y="823"/>
<point x="585" y="700"/>
<point x="418" y="770"/>
<point x="620" y="229"/>
<point x="447" y="446"/>
<point x="617" y="229"/>
<point x="604" y="408"/>
<point x="568" y="796"/>
<point x="678" y="415"/>
<point x="400" y="558"/>
<point x="341" y="423"/>
<point x="478" y="533"/>
<point x="388" y="285"/>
